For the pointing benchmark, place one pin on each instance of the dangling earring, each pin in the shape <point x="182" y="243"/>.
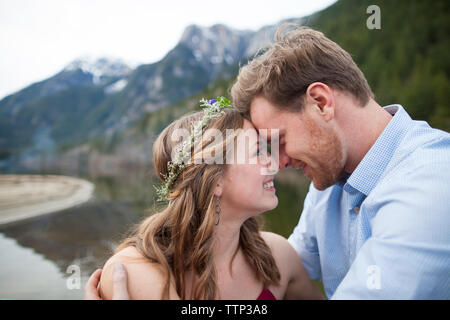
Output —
<point x="218" y="210"/>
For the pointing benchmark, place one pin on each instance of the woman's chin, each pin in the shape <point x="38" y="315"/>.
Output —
<point x="274" y="203"/>
<point x="268" y="203"/>
<point x="266" y="208"/>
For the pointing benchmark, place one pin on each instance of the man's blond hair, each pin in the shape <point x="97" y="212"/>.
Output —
<point x="298" y="58"/>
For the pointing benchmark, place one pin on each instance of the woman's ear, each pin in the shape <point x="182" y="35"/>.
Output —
<point x="218" y="190"/>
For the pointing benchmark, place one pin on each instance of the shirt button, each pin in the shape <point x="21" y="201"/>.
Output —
<point x="356" y="209"/>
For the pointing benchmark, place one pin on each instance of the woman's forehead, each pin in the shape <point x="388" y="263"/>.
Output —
<point x="249" y="128"/>
<point x="248" y="125"/>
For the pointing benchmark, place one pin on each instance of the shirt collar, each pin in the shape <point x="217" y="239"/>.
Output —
<point x="371" y="167"/>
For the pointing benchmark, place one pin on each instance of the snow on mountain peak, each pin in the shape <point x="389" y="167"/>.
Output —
<point x="99" y="67"/>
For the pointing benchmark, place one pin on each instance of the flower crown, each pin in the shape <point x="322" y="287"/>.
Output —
<point x="211" y="109"/>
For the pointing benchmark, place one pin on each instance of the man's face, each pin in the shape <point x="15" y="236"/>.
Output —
<point x="306" y="141"/>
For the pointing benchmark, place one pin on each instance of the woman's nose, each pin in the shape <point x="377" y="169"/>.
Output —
<point x="279" y="159"/>
<point x="269" y="164"/>
<point x="284" y="160"/>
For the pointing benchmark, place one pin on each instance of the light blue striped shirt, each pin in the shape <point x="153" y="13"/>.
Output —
<point x="383" y="232"/>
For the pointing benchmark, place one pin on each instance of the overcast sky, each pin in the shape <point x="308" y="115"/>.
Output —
<point x="39" y="37"/>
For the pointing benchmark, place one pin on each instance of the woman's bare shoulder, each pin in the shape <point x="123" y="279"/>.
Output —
<point x="283" y="252"/>
<point x="291" y="267"/>
<point x="275" y="240"/>
<point x="146" y="280"/>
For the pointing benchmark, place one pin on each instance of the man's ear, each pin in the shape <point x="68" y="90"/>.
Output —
<point x="320" y="96"/>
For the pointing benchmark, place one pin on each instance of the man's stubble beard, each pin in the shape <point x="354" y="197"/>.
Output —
<point x="329" y="162"/>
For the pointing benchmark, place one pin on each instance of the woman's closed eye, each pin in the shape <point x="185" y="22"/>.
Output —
<point x="260" y="151"/>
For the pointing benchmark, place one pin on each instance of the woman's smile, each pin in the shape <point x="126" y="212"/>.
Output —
<point x="269" y="186"/>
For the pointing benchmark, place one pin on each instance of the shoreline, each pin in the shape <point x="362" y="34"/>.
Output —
<point x="27" y="196"/>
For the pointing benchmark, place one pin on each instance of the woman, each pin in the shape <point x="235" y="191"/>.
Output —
<point x="207" y="244"/>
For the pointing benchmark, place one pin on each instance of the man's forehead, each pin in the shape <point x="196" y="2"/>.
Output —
<point x="263" y="115"/>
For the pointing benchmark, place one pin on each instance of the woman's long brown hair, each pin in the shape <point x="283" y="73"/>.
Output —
<point x="180" y="237"/>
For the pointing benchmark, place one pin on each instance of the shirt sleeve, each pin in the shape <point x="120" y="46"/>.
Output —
<point x="304" y="240"/>
<point x="408" y="254"/>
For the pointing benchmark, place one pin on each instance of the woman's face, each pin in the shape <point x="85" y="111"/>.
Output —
<point x="247" y="185"/>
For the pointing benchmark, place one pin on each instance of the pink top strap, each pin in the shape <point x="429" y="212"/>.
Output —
<point x="266" y="295"/>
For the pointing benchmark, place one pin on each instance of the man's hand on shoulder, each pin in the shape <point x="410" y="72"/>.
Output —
<point x="120" y="292"/>
<point x="145" y="279"/>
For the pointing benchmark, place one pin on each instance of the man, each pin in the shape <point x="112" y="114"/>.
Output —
<point x="375" y="223"/>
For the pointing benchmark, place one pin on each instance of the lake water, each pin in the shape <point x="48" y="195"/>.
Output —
<point x="52" y="256"/>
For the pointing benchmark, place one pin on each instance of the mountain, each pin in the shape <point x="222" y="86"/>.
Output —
<point x="102" y="70"/>
<point x="216" y="47"/>
<point x="48" y="112"/>
<point x="80" y="72"/>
